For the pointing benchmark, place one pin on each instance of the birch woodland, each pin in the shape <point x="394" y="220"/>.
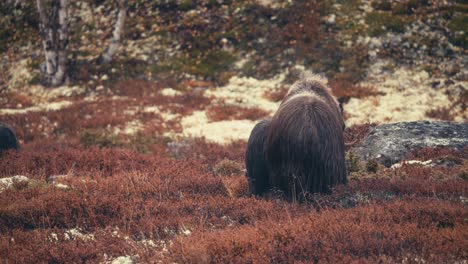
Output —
<point x="54" y="19"/>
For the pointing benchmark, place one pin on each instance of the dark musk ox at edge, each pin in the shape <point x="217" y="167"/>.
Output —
<point x="301" y="150"/>
<point x="7" y="138"/>
<point x="255" y="161"/>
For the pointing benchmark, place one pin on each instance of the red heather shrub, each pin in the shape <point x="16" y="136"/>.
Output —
<point x="276" y="95"/>
<point x="355" y="134"/>
<point x="14" y="100"/>
<point x="234" y="112"/>
<point x="441" y="113"/>
<point x="188" y="102"/>
<point x="408" y="183"/>
<point x="228" y="167"/>
<point x="211" y="153"/>
<point x="42" y="246"/>
<point x="431" y="230"/>
<point x="388" y="216"/>
<point x="439" y="152"/>
<point x="63" y="158"/>
<point x="345" y="90"/>
<point x="68" y="121"/>
<point x="136" y="88"/>
<point x="300" y="26"/>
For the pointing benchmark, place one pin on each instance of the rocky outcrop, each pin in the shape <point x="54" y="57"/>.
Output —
<point x="391" y="143"/>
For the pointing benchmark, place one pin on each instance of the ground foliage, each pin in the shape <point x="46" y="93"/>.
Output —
<point x="186" y="200"/>
<point x="95" y="194"/>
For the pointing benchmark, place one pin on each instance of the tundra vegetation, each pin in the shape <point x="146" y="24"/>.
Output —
<point x="130" y="160"/>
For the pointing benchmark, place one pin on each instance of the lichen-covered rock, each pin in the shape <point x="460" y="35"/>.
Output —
<point x="8" y="183"/>
<point x="391" y="143"/>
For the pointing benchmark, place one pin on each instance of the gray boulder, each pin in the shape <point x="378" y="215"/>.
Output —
<point x="391" y="143"/>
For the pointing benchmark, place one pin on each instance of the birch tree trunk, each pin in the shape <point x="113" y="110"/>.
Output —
<point x="116" y="35"/>
<point x="54" y="32"/>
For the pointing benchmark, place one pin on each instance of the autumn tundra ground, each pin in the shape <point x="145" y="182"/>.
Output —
<point x="93" y="195"/>
<point x="142" y="160"/>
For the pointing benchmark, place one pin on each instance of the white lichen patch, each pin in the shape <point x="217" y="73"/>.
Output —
<point x="145" y="48"/>
<point x="170" y="92"/>
<point x="407" y="95"/>
<point x="40" y="94"/>
<point x="38" y="108"/>
<point x="185" y="231"/>
<point x="64" y="91"/>
<point x="61" y="186"/>
<point x="7" y="183"/>
<point x="49" y="93"/>
<point x="167" y="116"/>
<point x="77" y="233"/>
<point x="147" y="243"/>
<point x="411" y="162"/>
<point x="53" y="237"/>
<point x="85" y="12"/>
<point x="274" y="4"/>
<point x="248" y="92"/>
<point x="20" y="74"/>
<point x="122" y="260"/>
<point x="393" y="107"/>
<point x="222" y="132"/>
<point x="130" y="128"/>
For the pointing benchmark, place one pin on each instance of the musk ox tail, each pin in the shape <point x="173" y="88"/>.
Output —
<point x="304" y="147"/>
<point x="7" y="138"/>
<point x="255" y="163"/>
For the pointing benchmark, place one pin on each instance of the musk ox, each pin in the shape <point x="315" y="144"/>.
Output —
<point x="301" y="150"/>
<point x="7" y="138"/>
<point x="256" y="165"/>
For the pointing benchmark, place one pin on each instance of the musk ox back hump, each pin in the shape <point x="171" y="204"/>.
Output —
<point x="7" y="138"/>
<point x="305" y="147"/>
<point x="315" y="85"/>
<point x="255" y="163"/>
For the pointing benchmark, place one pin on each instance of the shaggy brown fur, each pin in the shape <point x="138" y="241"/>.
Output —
<point x="255" y="163"/>
<point x="313" y="84"/>
<point x="7" y="138"/>
<point x="305" y="148"/>
<point x="301" y="150"/>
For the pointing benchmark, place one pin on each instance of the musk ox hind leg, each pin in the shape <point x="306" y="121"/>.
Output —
<point x="7" y="138"/>
<point x="255" y="163"/>
<point x="305" y="148"/>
